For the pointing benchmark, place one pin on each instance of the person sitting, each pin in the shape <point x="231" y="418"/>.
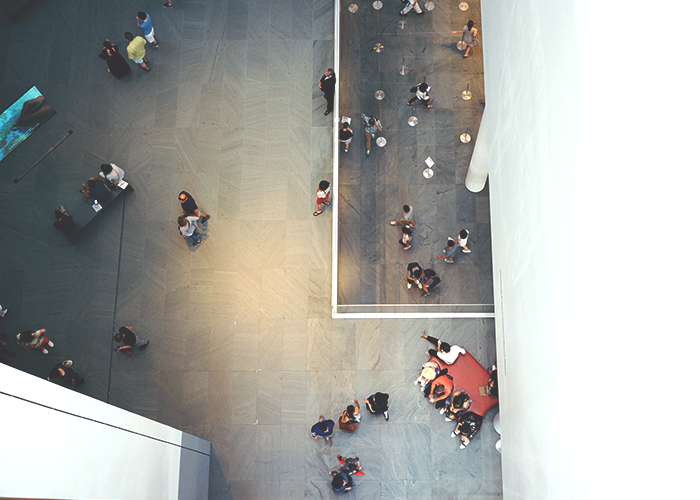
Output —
<point x="468" y="424"/>
<point x="445" y="352"/>
<point x="350" y="418"/>
<point x="430" y="281"/>
<point x="351" y="465"/>
<point x="341" y="481"/>
<point x="66" y="374"/>
<point x="64" y="221"/>
<point x="429" y="371"/>
<point x="421" y="90"/>
<point x="96" y="190"/>
<point x="112" y="174"/>
<point x="439" y="389"/>
<point x="493" y="382"/>
<point x="323" y="428"/>
<point x="414" y="275"/>
<point x="455" y="405"/>
<point x="377" y="404"/>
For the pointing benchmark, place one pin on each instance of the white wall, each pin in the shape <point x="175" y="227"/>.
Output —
<point x="60" y="444"/>
<point x="593" y="160"/>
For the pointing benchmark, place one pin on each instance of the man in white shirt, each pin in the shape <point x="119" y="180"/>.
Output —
<point x="188" y="228"/>
<point x="445" y="352"/>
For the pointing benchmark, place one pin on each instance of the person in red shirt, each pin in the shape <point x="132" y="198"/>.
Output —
<point x="440" y="389"/>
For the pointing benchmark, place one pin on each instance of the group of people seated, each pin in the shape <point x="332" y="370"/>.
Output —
<point x="96" y="188"/>
<point x="438" y="386"/>
<point x="426" y="280"/>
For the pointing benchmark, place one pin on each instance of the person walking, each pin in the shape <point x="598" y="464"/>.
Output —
<point x="188" y="228"/>
<point x="323" y="193"/>
<point x="345" y="135"/>
<point x="3" y="312"/>
<point x="323" y="428"/>
<point x="136" y="50"/>
<point x="406" y="237"/>
<point x="421" y="94"/>
<point x="462" y="238"/>
<point x="449" y="252"/>
<point x="168" y="4"/>
<point x="189" y="206"/>
<point x="67" y="374"/>
<point x="412" y="4"/>
<point x="341" y="482"/>
<point x="468" y="37"/>
<point x="378" y="404"/>
<point x="116" y="64"/>
<point x="406" y="219"/>
<point x="34" y="339"/>
<point x="143" y="21"/>
<point x="351" y="465"/>
<point x="327" y="86"/>
<point x="127" y="335"/>
<point x="371" y="124"/>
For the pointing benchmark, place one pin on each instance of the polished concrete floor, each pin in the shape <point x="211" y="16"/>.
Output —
<point x="243" y="349"/>
<point x="372" y="264"/>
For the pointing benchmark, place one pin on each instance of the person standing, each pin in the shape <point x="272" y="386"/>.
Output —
<point x="378" y="404"/>
<point x="168" y="4"/>
<point x="406" y="219"/>
<point x="350" y="418"/>
<point x="469" y="37"/>
<point x="345" y="135"/>
<point x="188" y="228"/>
<point x="116" y="64"/>
<point x="126" y="334"/>
<point x="341" y="482"/>
<point x="323" y="428"/>
<point x="371" y="124"/>
<point x="323" y="193"/>
<point x="143" y="21"/>
<point x="189" y="206"/>
<point x="64" y="221"/>
<point x="412" y="4"/>
<point x="136" y="50"/>
<point x="67" y="374"/>
<point x="327" y="86"/>
<point x="34" y="339"/>
<point x="3" y="312"/>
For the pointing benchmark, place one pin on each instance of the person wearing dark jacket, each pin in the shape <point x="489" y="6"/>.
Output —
<point x="64" y="221"/>
<point x="96" y="190"/>
<point x="126" y="334"/>
<point x="378" y="403"/>
<point x="327" y="86"/>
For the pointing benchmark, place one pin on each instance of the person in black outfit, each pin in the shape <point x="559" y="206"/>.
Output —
<point x="430" y="281"/>
<point x="327" y="86"/>
<point x="64" y="221"/>
<point x="66" y="374"/>
<point x="126" y="334"/>
<point x="189" y="206"/>
<point x="97" y="191"/>
<point x="468" y="424"/>
<point x="414" y="275"/>
<point x="116" y="64"/>
<point x="378" y="403"/>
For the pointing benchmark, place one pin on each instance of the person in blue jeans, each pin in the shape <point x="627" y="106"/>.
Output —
<point x="449" y="252"/>
<point x="188" y="228"/>
<point x="341" y="481"/>
<point x="323" y="428"/>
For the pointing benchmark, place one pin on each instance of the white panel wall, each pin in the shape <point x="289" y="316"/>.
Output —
<point x="61" y="444"/>
<point x="594" y="170"/>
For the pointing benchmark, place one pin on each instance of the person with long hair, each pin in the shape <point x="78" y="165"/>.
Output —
<point x="468" y="37"/>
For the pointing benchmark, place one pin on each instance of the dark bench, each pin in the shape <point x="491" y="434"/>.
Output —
<point x="12" y="7"/>
<point x="86" y="213"/>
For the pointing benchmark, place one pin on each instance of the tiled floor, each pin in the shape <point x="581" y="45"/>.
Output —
<point x="372" y="265"/>
<point x="243" y="350"/>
